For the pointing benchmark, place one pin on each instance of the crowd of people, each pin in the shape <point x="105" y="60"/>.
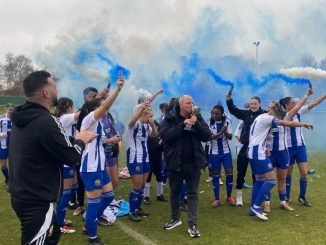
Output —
<point x="54" y="159"/>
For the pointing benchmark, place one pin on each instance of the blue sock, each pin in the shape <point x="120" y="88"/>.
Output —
<point x="183" y="190"/>
<point x="303" y="187"/>
<point x="5" y="173"/>
<point x="133" y="199"/>
<point x="288" y="186"/>
<point x="216" y="186"/>
<point x="268" y="197"/>
<point x="91" y="216"/>
<point x="282" y="195"/>
<point x="106" y="199"/>
<point x="255" y="189"/>
<point x="62" y="206"/>
<point x="229" y="184"/>
<point x="266" y="188"/>
<point x="140" y="197"/>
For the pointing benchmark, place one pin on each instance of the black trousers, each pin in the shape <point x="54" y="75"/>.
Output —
<point x="38" y="222"/>
<point x="242" y="165"/>
<point x="157" y="169"/>
<point x="192" y="184"/>
<point x="80" y="194"/>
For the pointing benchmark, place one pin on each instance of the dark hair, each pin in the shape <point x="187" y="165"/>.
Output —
<point x="221" y="109"/>
<point x="86" y="109"/>
<point x="256" y="98"/>
<point x="285" y="101"/>
<point x="163" y="106"/>
<point x="63" y="104"/>
<point x="89" y="89"/>
<point x="278" y="110"/>
<point x="35" y="81"/>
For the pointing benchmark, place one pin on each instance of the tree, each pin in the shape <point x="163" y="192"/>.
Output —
<point x="307" y="60"/>
<point x="15" y="69"/>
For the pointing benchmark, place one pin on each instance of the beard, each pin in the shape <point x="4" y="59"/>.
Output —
<point x="54" y="101"/>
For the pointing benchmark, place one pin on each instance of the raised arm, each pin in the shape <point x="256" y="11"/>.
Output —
<point x="152" y="97"/>
<point x="238" y="113"/>
<point x="297" y="107"/>
<point x="138" y="113"/>
<point x="294" y="124"/>
<point x="317" y="101"/>
<point x="107" y="103"/>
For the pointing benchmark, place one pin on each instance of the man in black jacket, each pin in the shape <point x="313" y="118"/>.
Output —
<point x="248" y="116"/>
<point x="38" y="149"/>
<point x="182" y="133"/>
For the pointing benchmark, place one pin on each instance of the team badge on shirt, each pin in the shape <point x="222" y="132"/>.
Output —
<point x="97" y="182"/>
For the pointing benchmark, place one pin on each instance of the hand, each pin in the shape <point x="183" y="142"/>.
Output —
<point x="86" y="136"/>
<point x="270" y="136"/>
<point x="160" y="91"/>
<point x="228" y="96"/>
<point x="115" y="139"/>
<point x="267" y="152"/>
<point x="309" y="92"/>
<point x="308" y="126"/>
<point x="188" y="122"/>
<point x="120" y="82"/>
<point x="3" y="135"/>
<point x="151" y="121"/>
<point x="193" y="118"/>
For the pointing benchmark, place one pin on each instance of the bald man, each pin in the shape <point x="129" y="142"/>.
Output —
<point x="182" y="132"/>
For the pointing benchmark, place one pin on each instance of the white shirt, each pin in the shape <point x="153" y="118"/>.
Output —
<point x="93" y="159"/>
<point x="237" y="134"/>
<point x="258" y="136"/>
<point x="294" y="135"/>
<point x="137" y="142"/>
<point x="220" y="145"/>
<point x="68" y="121"/>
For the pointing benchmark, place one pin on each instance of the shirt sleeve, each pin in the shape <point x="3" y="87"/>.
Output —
<point x="303" y="110"/>
<point x="238" y="129"/>
<point x="229" y="126"/>
<point x="89" y="122"/>
<point x="67" y="120"/>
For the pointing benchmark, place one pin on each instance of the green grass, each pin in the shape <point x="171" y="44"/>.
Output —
<point x="223" y="225"/>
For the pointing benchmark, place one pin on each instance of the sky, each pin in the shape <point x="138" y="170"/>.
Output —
<point x="177" y="45"/>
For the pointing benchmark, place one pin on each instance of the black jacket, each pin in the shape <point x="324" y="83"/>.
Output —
<point x="38" y="149"/>
<point x="172" y="131"/>
<point x="247" y="116"/>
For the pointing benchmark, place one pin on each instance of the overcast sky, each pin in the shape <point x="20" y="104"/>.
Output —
<point x="284" y="27"/>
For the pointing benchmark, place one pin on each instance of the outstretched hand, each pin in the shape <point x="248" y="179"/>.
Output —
<point x="86" y="136"/>
<point x="309" y="126"/>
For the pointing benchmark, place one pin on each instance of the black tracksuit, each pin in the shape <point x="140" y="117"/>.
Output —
<point x="184" y="156"/>
<point x="248" y="117"/>
<point x="38" y="149"/>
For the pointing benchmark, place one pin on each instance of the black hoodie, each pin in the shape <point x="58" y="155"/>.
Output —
<point x="247" y="116"/>
<point x="38" y="149"/>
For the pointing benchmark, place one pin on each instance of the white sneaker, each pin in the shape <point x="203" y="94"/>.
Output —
<point x="257" y="213"/>
<point x="239" y="198"/>
<point x="209" y="179"/>
<point x="221" y="182"/>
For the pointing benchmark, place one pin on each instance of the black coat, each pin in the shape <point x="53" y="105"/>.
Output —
<point x="38" y="149"/>
<point x="172" y="131"/>
<point x="247" y="116"/>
